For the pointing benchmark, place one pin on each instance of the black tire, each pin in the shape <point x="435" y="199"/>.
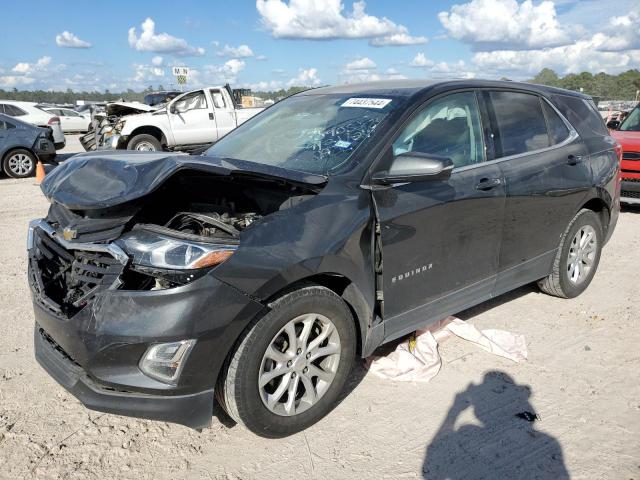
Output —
<point x="558" y="282"/>
<point x="138" y="141"/>
<point x="238" y="391"/>
<point x="27" y="163"/>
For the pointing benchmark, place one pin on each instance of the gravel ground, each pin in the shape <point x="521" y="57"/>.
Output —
<point x="582" y="379"/>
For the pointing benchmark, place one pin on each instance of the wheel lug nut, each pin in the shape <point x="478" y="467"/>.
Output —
<point x="308" y="355"/>
<point x="299" y="351"/>
<point x="289" y="363"/>
<point x="305" y="370"/>
<point x="293" y="374"/>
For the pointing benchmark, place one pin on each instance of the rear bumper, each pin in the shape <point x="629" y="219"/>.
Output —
<point x="193" y="410"/>
<point x="630" y="191"/>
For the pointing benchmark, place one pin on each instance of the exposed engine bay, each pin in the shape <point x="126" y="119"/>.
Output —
<point x="190" y="211"/>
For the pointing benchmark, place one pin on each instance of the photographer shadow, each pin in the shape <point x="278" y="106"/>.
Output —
<point x="502" y="443"/>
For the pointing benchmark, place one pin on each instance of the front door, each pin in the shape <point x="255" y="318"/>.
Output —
<point x="441" y="238"/>
<point x="192" y="120"/>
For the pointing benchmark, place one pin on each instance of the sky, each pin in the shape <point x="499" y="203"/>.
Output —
<point x="273" y="44"/>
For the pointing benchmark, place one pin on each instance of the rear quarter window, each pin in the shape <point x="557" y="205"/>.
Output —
<point x="581" y="114"/>
<point x="558" y="131"/>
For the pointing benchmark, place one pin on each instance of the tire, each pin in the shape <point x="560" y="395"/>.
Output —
<point x="144" y="143"/>
<point x="239" y="392"/>
<point x="562" y="281"/>
<point x="19" y="163"/>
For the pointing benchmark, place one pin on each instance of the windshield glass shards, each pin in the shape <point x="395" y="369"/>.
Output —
<point x="309" y="133"/>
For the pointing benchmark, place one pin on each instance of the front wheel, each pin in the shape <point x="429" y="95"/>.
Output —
<point x="144" y="143"/>
<point x="577" y="257"/>
<point x="291" y="365"/>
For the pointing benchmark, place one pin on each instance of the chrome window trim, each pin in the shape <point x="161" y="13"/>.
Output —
<point x="110" y="248"/>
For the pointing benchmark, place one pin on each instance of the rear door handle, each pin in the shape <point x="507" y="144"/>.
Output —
<point x="488" y="184"/>
<point x="210" y="116"/>
<point x="574" y="159"/>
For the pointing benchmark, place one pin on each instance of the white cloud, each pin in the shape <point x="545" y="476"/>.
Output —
<point x="227" y="72"/>
<point x="29" y="68"/>
<point x="434" y="69"/>
<point x="11" y="81"/>
<point x="623" y="33"/>
<point x="157" y="60"/>
<point x="241" y="51"/>
<point x="363" y="63"/>
<point x="67" y="39"/>
<point x="261" y="57"/>
<point x="578" y="57"/>
<point x="397" y="40"/>
<point x="487" y="23"/>
<point x="149" y="41"/>
<point x="324" y="19"/>
<point x="143" y="74"/>
<point x="305" y="78"/>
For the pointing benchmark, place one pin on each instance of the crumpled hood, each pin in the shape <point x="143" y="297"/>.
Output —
<point x="101" y="179"/>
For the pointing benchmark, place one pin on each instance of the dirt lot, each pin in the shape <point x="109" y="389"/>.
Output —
<point x="582" y="378"/>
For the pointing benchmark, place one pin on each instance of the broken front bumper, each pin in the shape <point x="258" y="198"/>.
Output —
<point x="94" y="352"/>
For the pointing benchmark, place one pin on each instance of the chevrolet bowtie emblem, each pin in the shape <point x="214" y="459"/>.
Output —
<point x="69" y="234"/>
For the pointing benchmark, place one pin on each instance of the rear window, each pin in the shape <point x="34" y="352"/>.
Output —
<point x="582" y="115"/>
<point x="521" y="123"/>
<point x="558" y="131"/>
<point x="14" y="111"/>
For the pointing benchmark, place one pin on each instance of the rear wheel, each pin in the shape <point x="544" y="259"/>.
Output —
<point x="291" y="365"/>
<point x="19" y="163"/>
<point x="577" y="258"/>
<point x="144" y="143"/>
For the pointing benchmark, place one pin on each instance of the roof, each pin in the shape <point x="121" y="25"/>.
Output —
<point x="407" y="88"/>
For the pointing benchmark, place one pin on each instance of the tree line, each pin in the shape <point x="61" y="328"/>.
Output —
<point x="601" y="86"/>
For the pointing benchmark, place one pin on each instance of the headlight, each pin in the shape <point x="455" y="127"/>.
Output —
<point x="119" y="126"/>
<point x="152" y="249"/>
<point x="165" y="361"/>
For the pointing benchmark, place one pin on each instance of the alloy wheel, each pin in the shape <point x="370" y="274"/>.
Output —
<point x="145" y="147"/>
<point x="20" y="164"/>
<point x="299" y="364"/>
<point x="582" y="254"/>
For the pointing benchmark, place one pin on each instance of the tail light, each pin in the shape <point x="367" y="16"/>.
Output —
<point x="618" y="149"/>
<point x="54" y="121"/>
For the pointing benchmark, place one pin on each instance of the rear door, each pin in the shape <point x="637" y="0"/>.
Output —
<point x="543" y="163"/>
<point x="440" y="238"/>
<point x="224" y="112"/>
<point x="192" y="120"/>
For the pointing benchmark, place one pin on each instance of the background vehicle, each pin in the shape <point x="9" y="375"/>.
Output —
<point x="628" y="134"/>
<point x="21" y="145"/>
<point x="189" y="121"/>
<point x="334" y="221"/>
<point x="30" y="113"/>
<point x="70" y="120"/>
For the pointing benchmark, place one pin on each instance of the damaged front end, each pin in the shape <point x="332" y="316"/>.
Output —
<point x="119" y="269"/>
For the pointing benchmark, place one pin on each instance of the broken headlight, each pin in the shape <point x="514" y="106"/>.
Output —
<point x="153" y="249"/>
<point x="119" y="126"/>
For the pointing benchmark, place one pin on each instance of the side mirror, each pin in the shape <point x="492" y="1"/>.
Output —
<point x="172" y="108"/>
<point x="613" y="124"/>
<point x="415" y="167"/>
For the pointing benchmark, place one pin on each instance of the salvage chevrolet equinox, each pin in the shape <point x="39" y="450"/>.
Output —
<point x="336" y="220"/>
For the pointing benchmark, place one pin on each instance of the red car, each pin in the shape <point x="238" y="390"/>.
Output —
<point x="628" y="134"/>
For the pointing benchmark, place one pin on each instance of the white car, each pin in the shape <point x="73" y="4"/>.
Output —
<point x="188" y="121"/>
<point x="71" y="120"/>
<point x="29" y="112"/>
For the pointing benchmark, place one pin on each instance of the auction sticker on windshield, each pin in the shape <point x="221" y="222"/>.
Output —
<point x="367" y="102"/>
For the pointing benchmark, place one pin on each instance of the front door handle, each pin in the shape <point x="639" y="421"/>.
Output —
<point x="210" y="116"/>
<point x="574" y="159"/>
<point x="488" y="184"/>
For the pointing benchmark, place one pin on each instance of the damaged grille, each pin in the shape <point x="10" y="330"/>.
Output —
<point x="67" y="280"/>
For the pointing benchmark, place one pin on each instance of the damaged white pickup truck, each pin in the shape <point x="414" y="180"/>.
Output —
<point x="189" y="121"/>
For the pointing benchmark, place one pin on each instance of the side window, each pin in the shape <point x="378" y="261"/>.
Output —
<point x="218" y="99"/>
<point x="449" y="127"/>
<point x="521" y="123"/>
<point x="6" y="125"/>
<point x="191" y="101"/>
<point x="14" y="111"/>
<point x="582" y="115"/>
<point x="69" y="113"/>
<point x="2" y="110"/>
<point x="558" y="131"/>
